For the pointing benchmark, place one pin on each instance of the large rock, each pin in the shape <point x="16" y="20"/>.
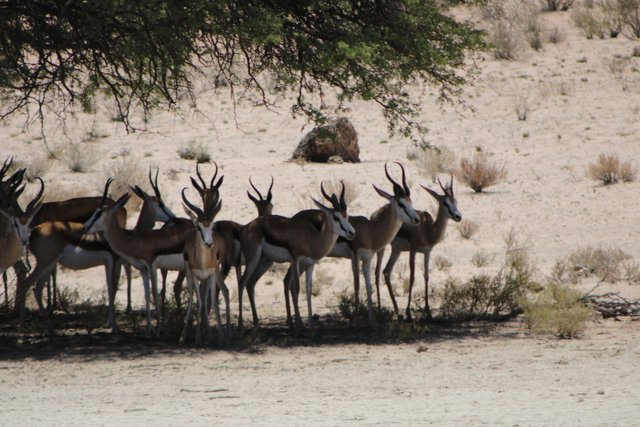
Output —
<point x="336" y="138"/>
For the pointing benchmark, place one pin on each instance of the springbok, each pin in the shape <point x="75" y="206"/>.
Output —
<point x="373" y="234"/>
<point x="141" y="248"/>
<point x="63" y="242"/>
<point x="421" y="238"/>
<point x="203" y="255"/>
<point x="302" y="242"/>
<point x="16" y="238"/>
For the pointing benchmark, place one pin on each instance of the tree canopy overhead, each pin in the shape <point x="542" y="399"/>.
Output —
<point x="146" y="53"/>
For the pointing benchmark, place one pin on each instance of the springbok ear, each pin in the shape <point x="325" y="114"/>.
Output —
<point x="320" y="206"/>
<point x="190" y="213"/>
<point x="383" y="193"/>
<point x="253" y="199"/>
<point x="433" y="193"/>
<point x="122" y="201"/>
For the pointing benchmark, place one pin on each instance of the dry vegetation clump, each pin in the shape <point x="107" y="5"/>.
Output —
<point x="479" y="172"/>
<point x="127" y="172"/>
<point x="608" y="169"/>
<point x="510" y="25"/>
<point x="468" y="228"/>
<point x="556" y="35"/>
<point x="481" y="258"/>
<point x="334" y="186"/>
<point x="37" y="167"/>
<point x="347" y="309"/>
<point x="80" y="157"/>
<point x="432" y="161"/>
<point x="557" y="309"/>
<point x="197" y="151"/>
<point x="442" y="263"/>
<point x="608" y="18"/>
<point x="486" y="295"/>
<point x="607" y="264"/>
<point x="552" y="5"/>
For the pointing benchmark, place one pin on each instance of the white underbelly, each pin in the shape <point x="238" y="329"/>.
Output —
<point x="275" y="253"/>
<point x="76" y="258"/>
<point x="173" y="262"/>
<point x="340" y="250"/>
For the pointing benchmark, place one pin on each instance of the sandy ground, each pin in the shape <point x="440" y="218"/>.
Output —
<point x="577" y="109"/>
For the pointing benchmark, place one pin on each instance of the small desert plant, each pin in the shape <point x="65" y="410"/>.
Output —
<point x="556" y="35"/>
<point x="480" y="172"/>
<point x="608" y="169"/>
<point x="442" y="263"/>
<point x="521" y="107"/>
<point x="127" y="172"/>
<point x="629" y="11"/>
<point x="37" y="167"/>
<point x="197" y="151"/>
<point x="589" y="22"/>
<point x="557" y="309"/>
<point x="605" y="263"/>
<point x="92" y="314"/>
<point x="467" y="228"/>
<point x="347" y="309"/>
<point x="557" y="4"/>
<point x="432" y="161"/>
<point x="80" y="157"/>
<point x="481" y="258"/>
<point x="636" y="52"/>
<point x="504" y="41"/>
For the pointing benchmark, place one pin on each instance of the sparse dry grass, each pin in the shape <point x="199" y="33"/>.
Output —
<point x="557" y="309"/>
<point x="37" y="167"/>
<point x="195" y="150"/>
<point x="80" y="157"/>
<point x="607" y="264"/>
<point x="127" y="171"/>
<point x="442" y="263"/>
<point x="433" y="161"/>
<point x="480" y="172"/>
<point x="334" y="186"/>
<point x="510" y="26"/>
<point x="481" y="258"/>
<point x="608" y="169"/>
<point x="468" y="228"/>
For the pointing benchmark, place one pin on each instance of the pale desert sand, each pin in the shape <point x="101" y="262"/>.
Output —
<point x="499" y="376"/>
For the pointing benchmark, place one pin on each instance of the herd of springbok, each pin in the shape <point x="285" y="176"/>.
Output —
<point x="86" y="232"/>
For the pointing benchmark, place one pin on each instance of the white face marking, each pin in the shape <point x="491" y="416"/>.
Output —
<point x="405" y="210"/>
<point x="342" y="227"/>
<point x="206" y="233"/>
<point x="22" y="230"/>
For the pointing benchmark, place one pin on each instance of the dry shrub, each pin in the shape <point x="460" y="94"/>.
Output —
<point x="589" y="22"/>
<point x="556" y="35"/>
<point x="432" y="161"/>
<point x="629" y="11"/>
<point x="347" y="308"/>
<point x="334" y="186"/>
<point x="37" y="167"/>
<point x="127" y="172"/>
<point x="552" y="5"/>
<point x="607" y="264"/>
<point x="481" y="258"/>
<point x="80" y="157"/>
<point x="497" y="295"/>
<point x="467" y="228"/>
<point x="511" y="24"/>
<point x="557" y="309"/>
<point x="608" y="169"/>
<point x="480" y="172"/>
<point x="442" y="263"/>
<point x="197" y="151"/>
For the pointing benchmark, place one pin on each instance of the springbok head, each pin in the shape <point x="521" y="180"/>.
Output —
<point x="263" y="204"/>
<point x="401" y="199"/>
<point x="161" y="211"/>
<point x="207" y="192"/>
<point x="337" y="214"/>
<point x="21" y="219"/>
<point x="98" y="221"/>
<point x="203" y="220"/>
<point x="446" y="201"/>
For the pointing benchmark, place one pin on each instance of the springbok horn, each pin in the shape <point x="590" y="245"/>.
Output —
<point x="214" y="176"/>
<point x="397" y="189"/>
<point x="269" y="191"/>
<point x="106" y="190"/>
<point x="154" y="183"/>
<point x="343" y="203"/>
<point x="404" y="179"/>
<point x="255" y="189"/>
<point x="190" y="205"/>
<point x="33" y="203"/>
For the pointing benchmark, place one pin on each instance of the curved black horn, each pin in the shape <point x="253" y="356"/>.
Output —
<point x="190" y="205"/>
<point x="324" y="193"/>
<point x="343" y="203"/>
<point x="441" y="186"/>
<point x="204" y="184"/>
<point x="255" y="189"/>
<point x="5" y="167"/>
<point x="154" y="183"/>
<point x="397" y="189"/>
<point x="106" y="190"/>
<point x="213" y="178"/>
<point x="33" y="203"/>
<point x="451" y="183"/>
<point x="404" y="179"/>
<point x="269" y="191"/>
